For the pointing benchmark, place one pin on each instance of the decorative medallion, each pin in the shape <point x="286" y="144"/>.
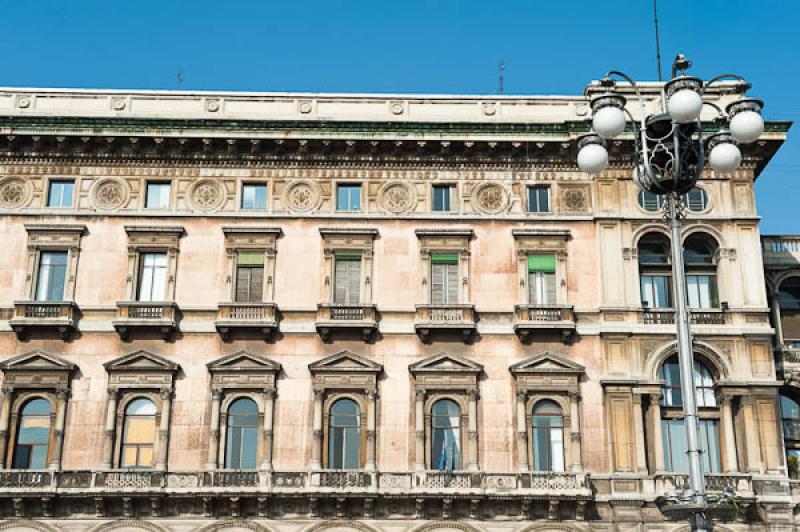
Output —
<point x="490" y="198"/>
<point x="489" y="109"/>
<point x="574" y="199"/>
<point x="212" y="106"/>
<point x="397" y="108"/>
<point x="23" y="101"/>
<point x="14" y="192"/>
<point x="118" y="104"/>
<point x="109" y="194"/>
<point x="206" y="195"/>
<point x="396" y="197"/>
<point x="304" y="107"/>
<point x="301" y="196"/>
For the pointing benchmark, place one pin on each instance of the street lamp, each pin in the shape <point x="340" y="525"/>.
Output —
<point x="670" y="153"/>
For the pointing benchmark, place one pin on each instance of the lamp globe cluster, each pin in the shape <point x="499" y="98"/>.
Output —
<point x="682" y="103"/>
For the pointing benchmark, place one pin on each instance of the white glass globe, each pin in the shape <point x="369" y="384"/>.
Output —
<point x="725" y="157"/>
<point x="747" y="126"/>
<point x="593" y="158"/>
<point x="684" y="106"/>
<point x="608" y="122"/>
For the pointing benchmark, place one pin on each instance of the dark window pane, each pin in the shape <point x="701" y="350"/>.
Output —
<point x="441" y="198"/>
<point x="538" y="199"/>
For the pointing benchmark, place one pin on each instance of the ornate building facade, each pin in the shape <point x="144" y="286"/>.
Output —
<point x="406" y="313"/>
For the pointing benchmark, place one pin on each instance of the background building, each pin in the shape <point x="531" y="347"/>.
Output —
<point x="302" y="312"/>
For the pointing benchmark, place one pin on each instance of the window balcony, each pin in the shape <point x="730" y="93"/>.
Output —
<point x="666" y="316"/>
<point x="259" y="317"/>
<point x="341" y="479"/>
<point x="340" y="317"/>
<point x="128" y="479"/>
<point x="160" y="316"/>
<point x="531" y="319"/>
<point x="739" y="483"/>
<point x="456" y="317"/>
<point x="29" y="316"/>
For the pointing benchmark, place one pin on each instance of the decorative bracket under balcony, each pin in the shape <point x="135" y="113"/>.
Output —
<point x="456" y="317"/>
<point x="259" y="317"/>
<point x="532" y="319"/>
<point x="30" y="316"/>
<point x="161" y="316"/>
<point x="333" y="317"/>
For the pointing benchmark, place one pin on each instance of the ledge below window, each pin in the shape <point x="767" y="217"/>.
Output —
<point x="456" y="317"/>
<point x="160" y="316"/>
<point x="258" y="317"/>
<point x="31" y="316"/>
<point x="333" y="317"/>
<point x="532" y="319"/>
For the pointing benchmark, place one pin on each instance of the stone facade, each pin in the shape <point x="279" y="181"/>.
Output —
<point x="501" y="342"/>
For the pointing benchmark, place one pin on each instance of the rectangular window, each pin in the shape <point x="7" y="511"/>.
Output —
<point x="542" y="279"/>
<point x="254" y="197"/>
<point x="656" y="291"/>
<point x="52" y="272"/>
<point x="444" y="279"/>
<point x="538" y="199"/>
<point x="347" y="279"/>
<point x="153" y="277"/>
<point x="701" y="291"/>
<point x="442" y="198"/>
<point x="249" y="277"/>
<point x="348" y="198"/>
<point x="674" y="436"/>
<point x="60" y="193"/>
<point x="157" y="195"/>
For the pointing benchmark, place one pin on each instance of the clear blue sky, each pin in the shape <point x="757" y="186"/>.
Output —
<point x="548" y="46"/>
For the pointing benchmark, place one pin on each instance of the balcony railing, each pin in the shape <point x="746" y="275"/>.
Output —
<point x="666" y="316"/>
<point x="332" y="317"/>
<point x="458" y="317"/>
<point x="159" y="315"/>
<point x="129" y="479"/>
<point x="260" y="317"/>
<point x="532" y="318"/>
<point x="781" y="250"/>
<point x="341" y="479"/>
<point x="739" y="483"/>
<point x="25" y="479"/>
<point x="58" y="315"/>
<point x="232" y="478"/>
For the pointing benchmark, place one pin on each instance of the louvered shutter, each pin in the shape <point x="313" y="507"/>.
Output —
<point x="354" y="282"/>
<point x="550" y="288"/>
<point x="256" y="284"/>
<point x="243" y="284"/>
<point x="340" y="282"/>
<point x="452" y="283"/>
<point x="438" y="274"/>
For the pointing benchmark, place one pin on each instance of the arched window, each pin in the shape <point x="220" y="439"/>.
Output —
<point x="790" y="418"/>
<point x="445" y="435"/>
<point x="33" y="435"/>
<point x="789" y="303"/>
<point x="344" y="435"/>
<point x="547" y="424"/>
<point x="138" y="434"/>
<point x="655" y="272"/>
<point x="673" y="427"/>
<point x="699" y="256"/>
<point x="241" y="446"/>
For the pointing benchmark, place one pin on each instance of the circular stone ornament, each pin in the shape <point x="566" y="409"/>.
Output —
<point x="302" y="196"/>
<point x="490" y="198"/>
<point x="14" y="192"/>
<point x="397" y="197"/>
<point x="206" y="195"/>
<point x="110" y="193"/>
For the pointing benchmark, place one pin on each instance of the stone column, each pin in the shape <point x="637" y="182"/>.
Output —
<point x="5" y="412"/>
<point x="472" y="422"/>
<point x="638" y="425"/>
<point x="371" y="434"/>
<point x="213" y="431"/>
<point x="752" y="445"/>
<point x="58" y="441"/>
<point x="111" y="424"/>
<point x="776" y="319"/>
<point x="419" y="415"/>
<point x="163" y="430"/>
<point x="269" y="402"/>
<point x="575" y="431"/>
<point x="522" y="432"/>
<point x="316" y="449"/>
<point x="731" y="464"/>
<point x="654" y="413"/>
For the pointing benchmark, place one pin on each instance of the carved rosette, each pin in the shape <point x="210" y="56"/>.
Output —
<point x="301" y="196"/>
<point x="14" y="192"/>
<point x="109" y="194"/>
<point x="396" y="197"/>
<point x="574" y="199"/>
<point x="206" y="195"/>
<point x="490" y="198"/>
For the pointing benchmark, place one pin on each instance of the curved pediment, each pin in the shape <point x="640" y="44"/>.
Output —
<point x="547" y="362"/>
<point x="445" y="363"/>
<point x="141" y="360"/>
<point x="244" y="361"/>
<point x="346" y="362"/>
<point x="37" y="360"/>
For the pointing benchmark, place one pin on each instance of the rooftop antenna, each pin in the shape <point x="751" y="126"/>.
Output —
<point x="179" y="79"/>
<point x="658" y="43"/>
<point x="502" y="76"/>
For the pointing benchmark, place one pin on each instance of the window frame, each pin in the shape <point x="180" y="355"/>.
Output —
<point x="460" y="400"/>
<point x="225" y="428"/>
<point x="444" y="242"/>
<point x="528" y="204"/>
<point x="53" y="237"/>
<point x="452" y="193"/>
<point x="251" y="240"/>
<point x="18" y="403"/>
<point x="152" y="239"/>
<point x="344" y="241"/>
<point x="330" y="400"/>
<point x="60" y="181"/>
<point x="147" y="194"/>
<point x="125" y="417"/>
<point x="349" y="185"/>
<point x="245" y="185"/>
<point x="542" y="242"/>
<point x="655" y="269"/>
<point x="708" y="270"/>
<point x="565" y="423"/>
<point x="39" y="271"/>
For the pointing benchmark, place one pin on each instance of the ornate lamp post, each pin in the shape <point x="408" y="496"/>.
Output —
<point x="671" y="150"/>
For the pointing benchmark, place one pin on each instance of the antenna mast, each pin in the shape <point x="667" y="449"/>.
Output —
<point x="658" y="43"/>
<point x="502" y="75"/>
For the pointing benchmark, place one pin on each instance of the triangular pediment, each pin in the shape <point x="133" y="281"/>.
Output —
<point x="345" y="361"/>
<point x="141" y="360"/>
<point x="244" y="361"/>
<point x="547" y="362"/>
<point x="36" y="360"/>
<point x="446" y="363"/>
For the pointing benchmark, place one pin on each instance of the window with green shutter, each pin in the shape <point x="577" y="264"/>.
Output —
<point x="347" y="279"/>
<point x="542" y="279"/>
<point x="444" y="279"/>
<point x="249" y="277"/>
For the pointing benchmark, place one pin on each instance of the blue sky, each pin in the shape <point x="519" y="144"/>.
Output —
<point x="548" y="46"/>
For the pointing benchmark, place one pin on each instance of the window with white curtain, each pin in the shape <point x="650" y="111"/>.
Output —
<point x="153" y="277"/>
<point x="51" y="276"/>
<point x="445" y="435"/>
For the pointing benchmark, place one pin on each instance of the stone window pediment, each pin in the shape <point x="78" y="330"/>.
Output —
<point x="152" y="239"/>
<point x="31" y="368"/>
<point x="345" y="370"/>
<point x="547" y="371"/>
<point x="251" y="240"/>
<point x="48" y="238"/>
<point x="447" y="371"/>
<point x="141" y="369"/>
<point x="357" y="243"/>
<point x="243" y="369"/>
<point x="552" y="242"/>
